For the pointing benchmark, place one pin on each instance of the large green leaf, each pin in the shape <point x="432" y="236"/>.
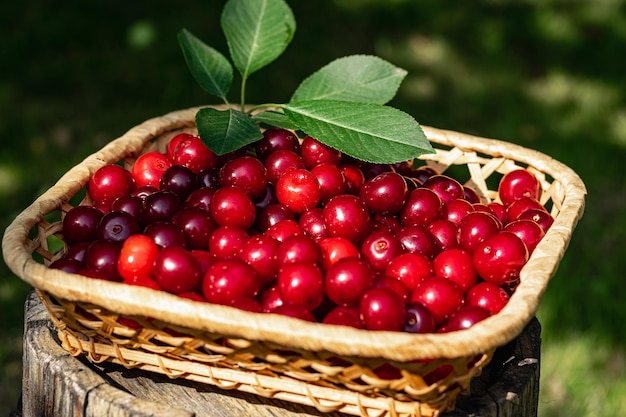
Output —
<point x="274" y="118"/>
<point x="257" y="32"/>
<point x="208" y="67"/>
<point x="370" y="132"/>
<point x="360" y="78"/>
<point x="224" y="131"/>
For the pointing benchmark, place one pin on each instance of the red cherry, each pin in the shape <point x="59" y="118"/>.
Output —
<point x="228" y="280"/>
<point x="347" y="280"/>
<point x="382" y="309"/>
<point x="194" y="154"/>
<point x="176" y="270"/>
<point x="347" y="216"/>
<point x="299" y="190"/>
<point x="517" y="184"/>
<point x="344" y="316"/>
<point x="466" y="317"/>
<point x="301" y="283"/>
<point x="440" y="295"/>
<point x="457" y="266"/>
<point x="137" y="256"/>
<point x="336" y="248"/>
<point x="149" y="168"/>
<point x="488" y="296"/>
<point x="379" y="248"/>
<point x="410" y="269"/>
<point x="529" y="231"/>
<point x="315" y="152"/>
<point x="499" y="258"/>
<point x="110" y="182"/>
<point x="232" y="206"/>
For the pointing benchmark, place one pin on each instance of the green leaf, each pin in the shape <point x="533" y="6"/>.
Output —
<point x="224" y="131"/>
<point x="208" y="67"/>
<point x="360" y="78"/>
<point x="370" y="132"/>
<point x="257" y="32"/>
<point x="274" y="118"/>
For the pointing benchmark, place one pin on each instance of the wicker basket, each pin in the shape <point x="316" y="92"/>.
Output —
<point x="333" y="368"/>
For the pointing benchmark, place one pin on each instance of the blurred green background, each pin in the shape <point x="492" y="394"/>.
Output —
<point x="549" y="75"/>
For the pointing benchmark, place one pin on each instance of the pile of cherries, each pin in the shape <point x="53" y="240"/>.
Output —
<point x="297" y="228"/>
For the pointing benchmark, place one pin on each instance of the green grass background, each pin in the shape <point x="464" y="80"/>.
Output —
<point x="549" y="75"/>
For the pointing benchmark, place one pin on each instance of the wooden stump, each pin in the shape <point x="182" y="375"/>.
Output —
<point x="57" y="384"/>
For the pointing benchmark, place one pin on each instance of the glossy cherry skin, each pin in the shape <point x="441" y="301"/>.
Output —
<point x="314" y="152"/>
<point x="101" y="256"/>
<point x="176" y="270"/>
<point x="149" y="168"/>
<point x="410" y="269"/>
<point x="447" y="188"/>
<point x="331" y="180"/>
<point x="456" y="265"/>
<point x="354" y="178"/>
<point x="379" y="248"/>
<point x="301" y="283"/>
<point x="131" y="204"/>
<point x="466" y="317"/>
<point x="299" y="190"/>
<point x="529" y="231"/>
<point x="270" y="299"/>
<point x="541" y="217"/>
<point x="194" y="154"/>
<point x="227" y="241"/>
<point x="347" y="216"/>
<point x="116" y="226"/>
<point x="455" y="210"/>
<point x="246" y="172"/>
<point x="347" y="280"/>
<point x="110" y="182"/>
<point x="260" y="251"/>
<point x="499" y="258"/>
<point x="299" y="248"/>
<point x="336" y="248"/>
<point x="283" y="230"/>
<point x="445" y="234"/>
<point x="519" y="206"/>
<point x="488" y="296"/>
<point x="419" y="319"/>
<point x="440" y="295"/>
<point x="272" y="214"/>
<point x="518" y="184"/>
<point x="394" y="284"/>
<point x="276" y="139"/>
<point x="228" y="280"/>
<point x="385" y="193"/>
<point x="160" y="207"/>
<point x="423" y="207"/>
<point x="197" y="225"/>
<point x="232" y="206"/>
<point x="281" y="161"/>
<point x="312" y="223"/>
<point x="382" y="309"/>
<point x="476" y="227"/>
<point x="180" y="180"/>
<point x="417" y="239"/>
<point x="80" y="224"/>
<point x="166" y="234"/>
<point x="344" y="316"/>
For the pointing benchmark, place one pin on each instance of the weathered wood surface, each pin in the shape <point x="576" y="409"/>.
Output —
<point x="57" y="384"/>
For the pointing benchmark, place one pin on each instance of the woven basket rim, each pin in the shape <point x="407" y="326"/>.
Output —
<point x="399" y="346"/>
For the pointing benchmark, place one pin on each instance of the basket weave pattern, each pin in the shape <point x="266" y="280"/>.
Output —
<point x="332" y="368"/>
